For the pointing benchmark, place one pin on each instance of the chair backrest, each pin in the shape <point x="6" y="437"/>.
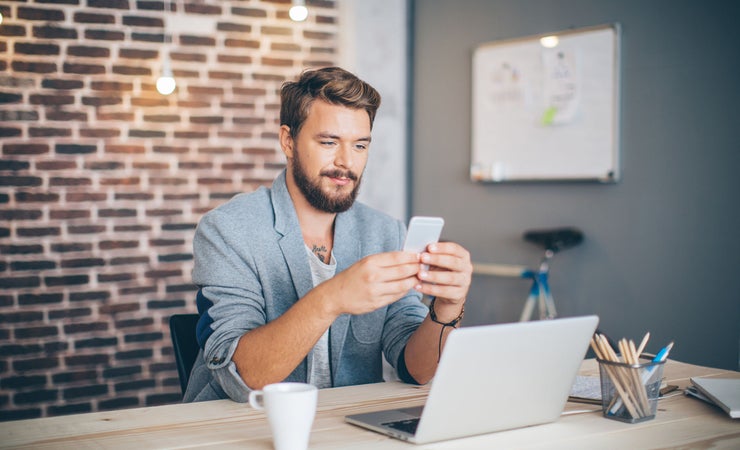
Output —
<point x="182" y="331"/>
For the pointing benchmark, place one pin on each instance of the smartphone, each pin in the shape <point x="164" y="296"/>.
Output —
<point x="422" y="231"/>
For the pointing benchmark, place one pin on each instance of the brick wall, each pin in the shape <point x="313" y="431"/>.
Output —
<point x="103" y="180"/>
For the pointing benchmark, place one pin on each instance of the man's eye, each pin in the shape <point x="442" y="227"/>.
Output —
<point x="328" y="142"/>
<point x="361" y="147"/>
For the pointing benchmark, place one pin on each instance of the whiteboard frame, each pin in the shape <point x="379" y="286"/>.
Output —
<point x="524" y="157"/>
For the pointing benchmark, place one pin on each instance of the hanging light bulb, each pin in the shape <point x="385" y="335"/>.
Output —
<point x="298" y="12"/>
<point x="166" y="82"/>
<point x="1" y="17"/>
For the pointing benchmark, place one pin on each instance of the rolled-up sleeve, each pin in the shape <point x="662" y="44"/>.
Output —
<point x="230" y="300"/>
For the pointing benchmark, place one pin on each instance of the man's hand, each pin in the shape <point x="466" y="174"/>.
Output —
<point x="371" y="283"/>
<point x="448" y="278"/>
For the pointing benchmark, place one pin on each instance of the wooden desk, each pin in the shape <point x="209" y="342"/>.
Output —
<point x="680" y="422"/>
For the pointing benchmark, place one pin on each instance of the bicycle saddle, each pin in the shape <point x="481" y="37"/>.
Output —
<point x="555" y="239"/>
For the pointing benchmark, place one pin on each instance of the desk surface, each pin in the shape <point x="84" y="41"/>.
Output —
<point x="680" y="422"/>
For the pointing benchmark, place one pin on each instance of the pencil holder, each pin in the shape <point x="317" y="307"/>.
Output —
<point x="629" y="392"/>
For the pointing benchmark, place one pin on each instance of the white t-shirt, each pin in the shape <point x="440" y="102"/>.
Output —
<point x="319" y="363"/>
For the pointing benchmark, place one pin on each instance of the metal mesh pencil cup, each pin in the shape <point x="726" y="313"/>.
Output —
<point x="629" y="392"/>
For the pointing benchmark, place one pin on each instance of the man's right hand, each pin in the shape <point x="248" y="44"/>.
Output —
<point x="371" y="283"/>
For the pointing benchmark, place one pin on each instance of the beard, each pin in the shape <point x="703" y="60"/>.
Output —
<point x="331" y="202"/>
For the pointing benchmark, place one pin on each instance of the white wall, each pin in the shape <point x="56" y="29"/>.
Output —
<point x="374" y="46"/>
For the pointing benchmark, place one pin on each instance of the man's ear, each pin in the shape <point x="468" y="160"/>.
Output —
<point x="286" y="142"/>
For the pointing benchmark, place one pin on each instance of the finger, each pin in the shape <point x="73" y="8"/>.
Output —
<point x="450" y="248"/>
<point x="389" y="259"/>
<point x="445" y="278"/>
<point x="445" y="262"/>
<point x="441" y="291"/>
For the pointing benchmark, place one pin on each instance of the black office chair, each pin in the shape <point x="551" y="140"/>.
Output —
<point x="182" y="331"/>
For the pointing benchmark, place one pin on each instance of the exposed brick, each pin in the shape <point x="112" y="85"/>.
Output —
<point x="72" y="149"/>
<point x="105" y="35"/>
<point x="43" y="298"/>
<point x="21" y="181"/>
<point x="35" y="332"/>
<point x="119" y="261"/>
<point x="21" y="316"/>
<point x="96" y="342"/>
<point x="157" y="5"/>
<point x="248" y="12"/>
<point x="115" y="4"/>
<point x="72" y="246"/>
<point x="47" y="15"/>
<point x="13" y="165"/>
<point x="19" y="282"/>
<point x="141" y="21"/>
<point x="164" y="304"/>
<point x="12" y="30"/>
<point x="85" y="17"/>
<point x="72" y="376"/>
<point x="85" y="391"/>
<point x="131" y="323"/>
<point x="6" y="132"/>
<point x="69" y="408"/>
<point x="88" y="51"/>
<point x="138" y="354"/>
<point x="86" y="360"/>
<point x="86" y="197"/>
<point x="73" y="328"/>
<point x="64" y="181"/>
<point x="24" y="365"/>
<point x="7" y="97"/>
<point x="20" y="214"/>
<point x="108" y="245"/>
<point x="188" y="57"/>
<point x="56" y="165"/>
<point x="67" y="280"/>
<point x="100" y="132"/>
<point x="20" y="266"/>
<point x="143" y="337"/>
<point x="131" y="70"/>
<point x="40" y="396"/>
<point x="25" y="149"/>
<point x="115" y="372"/>
<point x="66" y="116"/>
<point x="146" y="133"/>
<point x="197" y="40"/>
<point x="28" y="48"/>
<point x="52" y="32"/>
<point x="85" y="229"/>
<point x="34" y="67"/>
<point x="84" y="69"/>
<point x="49" y="132"/>
<point x="102" y="101"/>
<point x="119" y="308"/>
<point x="118" y="403"/>
<point x="235" y="59"/>
<point x="138" y="290"/>
<point x="162" y="399"/>
<point x="230" y="26"/>
<point x="115" y="277"/>
<point x="116" y="86"/>
<point x="241" y="43"/>
<point x="69" y="313"/>
<point x="126" y="149"/>
<point x="83" y="262"/>
<point x="148" y="37"/>
<point x="16" y="382"/>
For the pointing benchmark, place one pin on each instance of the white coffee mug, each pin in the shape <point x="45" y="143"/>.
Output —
<point x="290" y="409"/>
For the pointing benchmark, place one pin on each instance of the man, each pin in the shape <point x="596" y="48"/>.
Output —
<point x="299" y="282"/>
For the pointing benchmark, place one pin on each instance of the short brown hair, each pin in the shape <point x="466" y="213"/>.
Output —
<point x="331" y="84"/>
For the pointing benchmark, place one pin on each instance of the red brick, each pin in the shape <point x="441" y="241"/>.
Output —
<point x="52" y="32"/>
<point x="83" y="17"/>
<point x="88" y="51"/>
<point x="47" y="15"/>
<point x="197" y="40"/>
<point x="241" y="43"/>
<point x="84" y="69"/>
<point x="25" y="149"/>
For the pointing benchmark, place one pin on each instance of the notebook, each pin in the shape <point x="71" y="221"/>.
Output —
<point x="492" y="378"/>
<point x="723" y="392"/>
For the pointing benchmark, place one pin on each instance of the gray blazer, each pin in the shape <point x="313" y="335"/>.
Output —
<point x="251" y="265"/>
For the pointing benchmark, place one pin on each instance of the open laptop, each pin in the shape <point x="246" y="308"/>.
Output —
<point x="492" y="378"/>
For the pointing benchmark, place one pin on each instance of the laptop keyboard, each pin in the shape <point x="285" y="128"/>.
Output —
<point x="406" y="425"/>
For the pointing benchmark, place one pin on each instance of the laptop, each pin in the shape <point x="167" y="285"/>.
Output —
<point x="492" y="378"/>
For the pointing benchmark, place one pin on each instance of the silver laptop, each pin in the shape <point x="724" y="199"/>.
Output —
<point x="492" y="378"/>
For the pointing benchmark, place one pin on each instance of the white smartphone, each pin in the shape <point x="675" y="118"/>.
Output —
<point x="422" y="231"/>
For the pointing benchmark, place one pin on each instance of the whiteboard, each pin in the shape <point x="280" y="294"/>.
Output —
<point x="546" y="107"/>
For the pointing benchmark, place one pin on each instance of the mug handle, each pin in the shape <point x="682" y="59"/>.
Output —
<point x="256" y="400"/>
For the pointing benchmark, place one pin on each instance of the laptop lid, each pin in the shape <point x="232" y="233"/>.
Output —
<point x="497" y="377"/>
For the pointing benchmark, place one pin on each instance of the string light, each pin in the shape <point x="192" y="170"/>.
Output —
<point x="166" y="83"/>
<point x="298" y="12"/>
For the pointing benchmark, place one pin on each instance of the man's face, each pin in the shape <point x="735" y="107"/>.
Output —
<point x="329" y="155"/>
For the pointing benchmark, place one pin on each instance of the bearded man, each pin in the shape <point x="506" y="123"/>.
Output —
<point x="299" y="282"/>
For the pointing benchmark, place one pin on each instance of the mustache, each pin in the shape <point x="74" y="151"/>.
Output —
<point x="336" y="173"/>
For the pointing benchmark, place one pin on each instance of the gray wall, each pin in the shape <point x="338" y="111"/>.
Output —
<point x="662" y="245"/>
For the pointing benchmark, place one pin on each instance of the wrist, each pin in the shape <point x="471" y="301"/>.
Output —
<point x="444" y="313"/>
